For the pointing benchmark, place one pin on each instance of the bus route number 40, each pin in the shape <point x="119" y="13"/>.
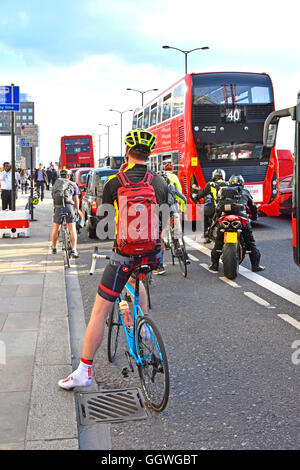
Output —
<point x="233" y="115"/>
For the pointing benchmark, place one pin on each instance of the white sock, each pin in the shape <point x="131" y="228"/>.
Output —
<point x="81" y="377"/>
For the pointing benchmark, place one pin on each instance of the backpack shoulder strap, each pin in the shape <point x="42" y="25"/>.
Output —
<point x="148" y="176"/>
<point x="123" y="179"/>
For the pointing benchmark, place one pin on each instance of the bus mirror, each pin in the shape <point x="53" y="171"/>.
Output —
<point x="271" y="125"/>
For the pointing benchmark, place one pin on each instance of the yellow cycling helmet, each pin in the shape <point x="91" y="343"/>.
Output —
<point x="140" y="139"/>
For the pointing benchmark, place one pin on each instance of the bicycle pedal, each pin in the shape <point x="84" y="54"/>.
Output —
<point x="125" y="372"/>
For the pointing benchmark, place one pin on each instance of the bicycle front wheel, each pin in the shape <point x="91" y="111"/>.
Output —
<point x="154" y="373"/>
<point x="114" y="325"/>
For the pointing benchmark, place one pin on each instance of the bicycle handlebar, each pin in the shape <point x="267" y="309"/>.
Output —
<point x="96" y="256"/>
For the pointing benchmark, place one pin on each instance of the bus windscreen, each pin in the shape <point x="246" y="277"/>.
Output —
<point x="232" y="89"/>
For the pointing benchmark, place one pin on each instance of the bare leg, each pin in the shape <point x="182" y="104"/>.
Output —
<point x="54" y="235"/>
<point x="95" y="329"/>
<point x="73" y="235"/>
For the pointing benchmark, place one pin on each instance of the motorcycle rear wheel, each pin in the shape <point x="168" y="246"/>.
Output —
<point x="231" y="260"/>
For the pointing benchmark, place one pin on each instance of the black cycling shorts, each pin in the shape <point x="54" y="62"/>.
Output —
<point x="118" y="271"/>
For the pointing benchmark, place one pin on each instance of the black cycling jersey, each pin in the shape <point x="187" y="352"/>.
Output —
<point x="135" y="173"/>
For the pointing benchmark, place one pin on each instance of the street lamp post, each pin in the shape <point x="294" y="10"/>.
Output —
<point x="186" y="52"/>
<point x="142" y="92"/>
<point x="99" y="138"/>
<point x="108" y="126"/>
<point x="121" y="116"/>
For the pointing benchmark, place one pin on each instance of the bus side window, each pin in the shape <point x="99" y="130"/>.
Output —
<point x="178" y="100"/>
<point x="134" y="122"/>
<point x="167" y="102"/>
<point x="153" y="115"/>
<point x="159" y="111"/>
<point x="140" y="121"/>
<point x="146" y="118"/>
<point x="175" y="162"/>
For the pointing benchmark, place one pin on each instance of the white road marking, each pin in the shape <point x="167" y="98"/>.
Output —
<point x="193" y="258"/>
<point x="229" y="281"/>
<point x="290" y="320"/>
<point x="258" y="300"/>
<point x="286" y="294"/>
<point x="205" y="266"/>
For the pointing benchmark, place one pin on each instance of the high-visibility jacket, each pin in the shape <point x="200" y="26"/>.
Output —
<point x="175" y="180"/>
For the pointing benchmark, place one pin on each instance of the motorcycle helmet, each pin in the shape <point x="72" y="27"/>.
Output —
<point x="64" y="173"/>
<point x="218" y="174"/>
<point x="236" y="180"/>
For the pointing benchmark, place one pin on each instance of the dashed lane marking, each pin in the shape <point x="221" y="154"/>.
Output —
<point x="205" y="266"/>
<point x="258" y="300"/>
<point x="193" y="258"/>
<point x="229" y="282"/>
<point x="290" y="320"/>
<point x="282" y="292"/>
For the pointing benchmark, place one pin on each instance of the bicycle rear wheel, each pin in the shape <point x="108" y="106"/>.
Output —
<point x="154" y="373"/>
<point x="114" y="325"/>
<point x="67" y="246"/>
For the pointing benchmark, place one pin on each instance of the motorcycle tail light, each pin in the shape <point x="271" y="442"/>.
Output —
<point x="94" y="207"/>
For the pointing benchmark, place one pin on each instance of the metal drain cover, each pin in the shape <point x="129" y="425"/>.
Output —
<point x="112" y="406"/>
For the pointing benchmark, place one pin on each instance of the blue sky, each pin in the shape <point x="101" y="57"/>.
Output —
<point x="76" y="58"/>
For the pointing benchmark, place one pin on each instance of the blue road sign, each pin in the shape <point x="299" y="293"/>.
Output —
<point x="24" y="143"/>
<point x="9" y="98"/>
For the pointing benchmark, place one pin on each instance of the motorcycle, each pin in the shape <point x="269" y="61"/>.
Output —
<point x="233" y="252"/>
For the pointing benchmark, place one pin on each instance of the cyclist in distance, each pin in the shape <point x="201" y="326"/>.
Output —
<point x="210" y="192"/>
<point x="246" y="201"/>
<point x="175" y="201"/>
<point x="65" y="196"/>
<point x="139" y="144"/>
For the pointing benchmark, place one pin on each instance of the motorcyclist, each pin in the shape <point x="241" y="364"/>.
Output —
<point x="246" y="204"/>
<point x="210" y="194"/>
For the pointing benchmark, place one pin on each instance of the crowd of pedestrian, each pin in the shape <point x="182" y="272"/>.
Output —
<point x="42" y="178"/>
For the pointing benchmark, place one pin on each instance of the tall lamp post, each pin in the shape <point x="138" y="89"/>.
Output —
<point x="108" y="126"/>
<point x="142" y="92"/>
<point x="99" y="137"/>
<point x="121" y="116"/>
<point x="186" y="52"/>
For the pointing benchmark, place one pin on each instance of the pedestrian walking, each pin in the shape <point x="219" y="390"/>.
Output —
<point x="23" y="181"/>
<point x="5" y="181"/>
<point x="40" y="179"/>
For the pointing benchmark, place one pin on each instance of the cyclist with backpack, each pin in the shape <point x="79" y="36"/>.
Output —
<point x="65" y="195"/>
<point x="135" y="193"/>
<point x="210" y="195"/>
<point x="243" y="203"/>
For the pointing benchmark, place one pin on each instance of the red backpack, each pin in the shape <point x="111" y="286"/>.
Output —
<point x="137" y="226"/>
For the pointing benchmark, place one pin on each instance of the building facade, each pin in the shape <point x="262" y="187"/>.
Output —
<point x="24" y="116"/>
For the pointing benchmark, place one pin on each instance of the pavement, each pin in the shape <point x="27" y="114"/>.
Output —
<point x="34" y="341"/>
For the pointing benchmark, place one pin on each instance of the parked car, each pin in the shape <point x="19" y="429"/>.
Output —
<point x="80" y="179"/>
<point x="93" y="197"/>
<point x="285" y="195"/>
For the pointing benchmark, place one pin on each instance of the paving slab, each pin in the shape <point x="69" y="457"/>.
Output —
<point x="21" y="321"/>
<point x="19" y="343"/>
<point x="13" y="412"/>
<point x="12" y="279"/>
<point x="29" y="290"/>
<point x="12" y="446"/>
<point x="48" y="418"/>
<point x="20" y="304"/>
<point x="16" y="374"/>
<point x="58" y="444"/>
<point x="8" y="291"/>
<point x="3" y="317"/>
<point x="53" y="345"/>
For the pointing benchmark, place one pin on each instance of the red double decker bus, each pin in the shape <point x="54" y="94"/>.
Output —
<point x="215" y="120"/>
<point x="77" y="151"/>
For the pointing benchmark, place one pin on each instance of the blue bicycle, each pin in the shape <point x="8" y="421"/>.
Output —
<point x="144" y="342"/>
